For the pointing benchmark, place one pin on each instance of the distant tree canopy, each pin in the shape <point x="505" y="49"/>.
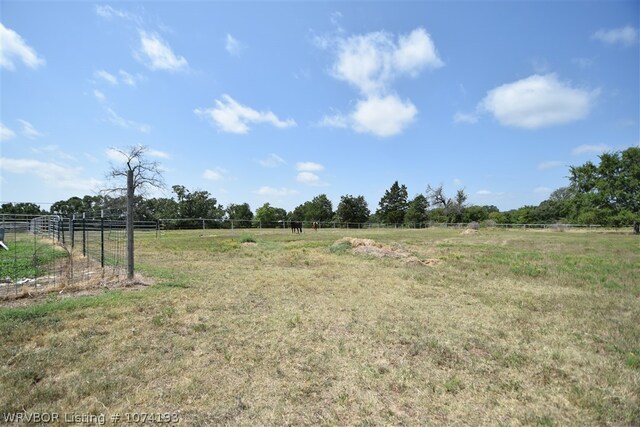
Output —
<point x="606" y="193"/>
<point x="21" y="208"/>
<point x="270" y="216"/>
<point x="352" y="209"/>
<point x="240" y="212"/>
<point x="319" y="208"/>
<point x="393" y="205"/>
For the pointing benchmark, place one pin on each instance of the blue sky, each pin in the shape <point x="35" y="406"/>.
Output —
<point x="279" y="102"/>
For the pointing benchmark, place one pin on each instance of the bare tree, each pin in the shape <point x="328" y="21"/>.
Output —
<point x="140" y="174"/>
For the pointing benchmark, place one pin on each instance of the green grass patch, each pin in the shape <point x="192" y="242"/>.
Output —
<point x="28" y="258"/>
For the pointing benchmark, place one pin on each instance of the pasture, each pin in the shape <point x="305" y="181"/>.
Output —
<point x="266" y="327"/>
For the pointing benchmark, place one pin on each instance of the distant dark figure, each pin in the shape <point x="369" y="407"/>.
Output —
<point x="296" y="226"/>
<point x="315" y="225"/>
<point x="636" y="227"/>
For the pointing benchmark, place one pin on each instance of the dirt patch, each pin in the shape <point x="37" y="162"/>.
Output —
<point x="26" y="295"/>
<point x="469" y="231"/>
<point x="249" y="244"/>
<point x="379" y="250"/>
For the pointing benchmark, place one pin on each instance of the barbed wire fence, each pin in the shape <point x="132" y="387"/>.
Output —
<point x="51" y="253"/>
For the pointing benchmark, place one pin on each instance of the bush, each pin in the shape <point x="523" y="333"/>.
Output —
<point x="489" y="223"/>
<point x="245" y="238"/>
<point x="473" y="225"/>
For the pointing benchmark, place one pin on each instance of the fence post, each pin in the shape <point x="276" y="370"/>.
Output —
<point x="84" y="235"/>
<point x="72" y="231"/>
<point x="102" y="239"/>
<point x="157" y="228"/>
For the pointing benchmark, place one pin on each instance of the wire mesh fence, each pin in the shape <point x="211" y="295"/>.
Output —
<point x="41" y="254"/>
<point x="165" y="225"/>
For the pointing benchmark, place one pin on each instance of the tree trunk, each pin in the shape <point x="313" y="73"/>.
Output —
<point x="130" y="267"/>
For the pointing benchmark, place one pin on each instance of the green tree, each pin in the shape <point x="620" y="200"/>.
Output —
<point x="198" y="204"/>
<point x="240" y="212"/>
<point x="352" y="209"/>
<point x="393" y="205"/>
<point x="21" y="209"/>
<point x="270" y="216"/>
<point x="319" y="209"/>
<point x="610" y="187"/>
<point x="418" y="210"/>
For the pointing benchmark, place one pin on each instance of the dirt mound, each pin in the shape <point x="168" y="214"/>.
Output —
<point x="379" y="250"/>
<point x="469" y="231"/>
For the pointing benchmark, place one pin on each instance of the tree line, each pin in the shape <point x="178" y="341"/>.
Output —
<point x="607" y="194"/>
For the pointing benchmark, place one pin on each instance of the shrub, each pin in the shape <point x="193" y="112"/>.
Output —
<point x="489" y="223"/>
<point x="245" y="238"/>
<point x="473" y="225"/>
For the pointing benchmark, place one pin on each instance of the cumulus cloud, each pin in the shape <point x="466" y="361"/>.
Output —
<point x="626" y="36"/>
<point x="108" y="12"/>
<point x="233" y="46"/>
<point x="14" y="48"/>
<point x="538" y="101"/>
<point x="484" y="192"/>
<point x="371" y="61"/>
<point x="156" y="54"/>
<point x="28" y="130"/>
<point x="157" y="153"/>
<point x="272" y="161"/>
<point x="267" y="191"/>
<point x="230" y="116"/>
<point x="6" y="133"/>
<point x="383" y="116"/>
<point x="590" y="149"/>
<point x="310" y="178"/>
<point x="51" y="174"/>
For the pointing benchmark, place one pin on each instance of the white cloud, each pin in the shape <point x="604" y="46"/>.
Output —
<point x="108" y="12"/>
<point x="371" y="61"/>
<point x="28" y="130"/>
<point x="233" y="46"/>
<point x="230" y="116"/>
<point x="158" y="154"/>
<point x="590" y="149"/>
<point x="53" y="149"/>
<point x="13" y="47"/>
<point x="51" y="174"/>
<point x="550" y="164"/>
<point x="106" y="76"/>
<point x="6" y="133"/>
<point x="217" y="174"/>
<point x="469" y="118"/>
<point x="538" y="101"/>
<point x="115" y="155"/>
<point x="626" y="36"/>
<point x="272" y="161"/>
<point x="484" y="192"/>
<point x="275" y="192"/>
<point x="309" y="167"/>
<point x="126" y="124"/>
<point x="335" y="121"/>
<point x="383" y="116"/>
<point x="100" y="96"/>
<point x="129" y="79"/>
<point x="310" y="178"/>
<point x="156" y="54"/>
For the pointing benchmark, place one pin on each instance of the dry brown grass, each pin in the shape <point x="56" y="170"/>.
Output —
<point x="507" y="327"/>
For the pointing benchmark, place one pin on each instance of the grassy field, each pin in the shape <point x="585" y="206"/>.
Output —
<point x="501" y="328"/>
